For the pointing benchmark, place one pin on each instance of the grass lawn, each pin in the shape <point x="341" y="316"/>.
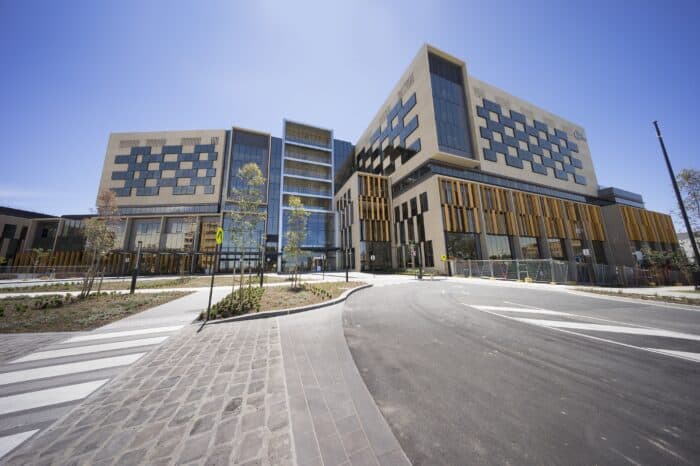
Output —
<point x="175" y="282"/>
<point x="649" y="297"/>
<point x="24" y="314"/>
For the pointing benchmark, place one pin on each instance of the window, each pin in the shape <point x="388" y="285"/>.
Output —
<point x="462" y="245"/>
<point x="414" y="207"/>
<point x="556" y="248"/>
<point x="8" y="231"/>
<point x="404" y="210"/>
<point x="424" y="202"/>
<point x="421" y="228"/>
<point x="599" y="252"/>
<point x="428" y="253"/>
<point x="529" y="247"/>
<point x="499" y="247"/>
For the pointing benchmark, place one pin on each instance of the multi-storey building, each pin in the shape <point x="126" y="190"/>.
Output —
<point x="450" y="169"/>
<point x="453" y="168"/>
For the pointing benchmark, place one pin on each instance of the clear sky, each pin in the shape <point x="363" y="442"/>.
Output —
<point x="74" y="71"/>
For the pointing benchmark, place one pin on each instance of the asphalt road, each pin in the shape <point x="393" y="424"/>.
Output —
<point x="470" y="373"/>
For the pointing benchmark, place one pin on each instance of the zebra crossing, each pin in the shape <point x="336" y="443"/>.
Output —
<point x="675" y="344"/>
<point x="40" y="387"/>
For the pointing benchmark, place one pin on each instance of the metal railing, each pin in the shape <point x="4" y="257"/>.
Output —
<point x="563" y="272"/>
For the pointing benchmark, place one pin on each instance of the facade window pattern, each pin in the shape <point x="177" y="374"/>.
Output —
<point x="529" y="248"/>
<point x="549" y="151"/>
<point x="248" y="148"/>
<point x="179" y="233"/>
<point x="449" y="103"/>
<point x="344" y="207"/>
<point x="409" y="225"/>
<point x="651" y="227"/>
<point x="460" y="206"/>
<point x="320" y="230"/>
<point x="499" y="246"/>
<point x="144" y="171"/>
<point x="374" y="208"/>
<point x="147" y="231"/>
<point x="273" y="189"/>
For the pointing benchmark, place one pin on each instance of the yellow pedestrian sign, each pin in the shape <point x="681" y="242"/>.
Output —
<point x="443" y="258"/>
<point x="219" y="235"/>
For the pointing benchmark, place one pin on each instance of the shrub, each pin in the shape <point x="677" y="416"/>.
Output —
<point x="2" y="311"/>
<point x="241" y="301"/>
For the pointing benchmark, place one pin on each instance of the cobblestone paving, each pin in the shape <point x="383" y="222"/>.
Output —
<point x="215" y="397"/>
<point x="14" y="345"/>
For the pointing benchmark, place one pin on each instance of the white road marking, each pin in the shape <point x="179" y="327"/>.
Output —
<point x="518" y="309"/>
<point x="126" y="333"/>
<point x="48" y="397"/>
<point x="66" y="369"/>
<point x="679" y="354"/>
<point x="611" y="328"/>
<point x="59" y="353"/>
<point x="9" y="442"/>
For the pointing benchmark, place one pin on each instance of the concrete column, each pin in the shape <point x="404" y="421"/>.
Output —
<point x="517" y="252"/>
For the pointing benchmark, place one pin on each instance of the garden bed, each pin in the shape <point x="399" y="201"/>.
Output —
<point x="63" y="313"/>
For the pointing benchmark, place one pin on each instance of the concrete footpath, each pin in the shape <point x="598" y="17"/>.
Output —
<point x="282" y="390"/>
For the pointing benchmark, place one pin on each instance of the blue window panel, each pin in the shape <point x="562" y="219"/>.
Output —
<point x="415" y="147"/>
<point x="153" y="158"/>
<point x="532" y="131"/>
<point x="561" y="134"/>
<point x="172" y="150"/>
<point x="203" y="164"/>
<point x="564" y="151"/>
<point x="209" y="190"/>
<point x="150" y="191"/>
<point x="499" y="147"/>
<point x="183" y="190"/>
<point x="573" y="146"/>
<point x="518" y="117"/>
<point x="393" y="112"/>
<point x="576" y="162"/>
<point x="569" y="169"/>
<point x="122" y="159"/>
<point x="553" y="138"/>
<point x="494" y="125"/>
<point x="505" y="121"/>
<point x="198" y="148"/>
<point x="191" y="173"/>
<point x="140" y="183"/>
<point x="374" y="136"/>
<point x="561" y="174"/>
<point x="486" y="133"/>
<point x="544" y="144"/>
<point x="490" y="155"/>
<point x="211" y="172"/>
<point x="169" y="166"/>
<point x="141" y="150"/>
<point x="510" y="140"/>
<point x="211" y="156"/>
<point x="492" y="106"/>
<point x="579" y="179"/>
<point x="121" y="175"/>
<point x="482" y="112"/>
<point x="409" y="104"/>
<point x="558" y="157"/>
<point x="521" y="136"/>
<point x="187" y="157"/>
<point x="541" y="126"/>
<point x="514" y="161"/>
<point x="410" y="128"/>
<point x="153" y="174"/>
<point x="535" y="149"/>
<point x="201" y="181"/>
<point x="524" y="155"/>
<point x="547" y="162"/>
<point x="167" y="182"/>
<point x="538" y="168"/>
<point x="122" y="192"/>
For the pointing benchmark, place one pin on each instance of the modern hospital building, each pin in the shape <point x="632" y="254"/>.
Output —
<point x="450" y="169"/>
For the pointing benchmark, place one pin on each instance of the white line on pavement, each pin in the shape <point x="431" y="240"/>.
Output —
<point x="9" y="442"/>
<point x="679" y="354"/>
<point x="611" y="328"/>
<point x="66" y="369"/>
<point x="126" y="333"/>
<point x="59" y="353"/>
<point x="517" y="309"/>
<point x="48" y="397"/>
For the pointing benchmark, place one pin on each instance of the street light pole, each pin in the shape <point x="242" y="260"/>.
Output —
<point x="135" y="272"/>
<point x="347" y="265"/>
<point x="691" y="237"/>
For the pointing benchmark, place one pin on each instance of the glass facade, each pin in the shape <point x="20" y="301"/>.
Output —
<point x="556" y="249"/>
<point x="273" y="193"/>
<point x="320" y="229"/>
<point x="449" y="103"/>
<point x="147" y="231"/>
<point x="529" y="248"/>
<point x="462" y="245"/>
<point x="179" y="233"/>
<point x="499" y="247"/>
<point x="247" y="148"/>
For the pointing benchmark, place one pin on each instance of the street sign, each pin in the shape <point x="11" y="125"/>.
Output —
<point x="219" y="235"/>
<point x="443" y="257"/>
<point x="372" y="257"/>
<point x="586" y="252"/>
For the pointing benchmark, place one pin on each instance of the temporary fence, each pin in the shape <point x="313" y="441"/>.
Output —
<point x="554" y="271"/>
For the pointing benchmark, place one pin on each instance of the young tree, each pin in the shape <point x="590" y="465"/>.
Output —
<point x="296" y="234"/>
<point x="689" y="184"/>
<point x="99" y="236"/>
<point x="248" y="211"/>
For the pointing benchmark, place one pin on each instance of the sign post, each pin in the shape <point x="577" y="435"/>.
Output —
<point x="219" y="240"/>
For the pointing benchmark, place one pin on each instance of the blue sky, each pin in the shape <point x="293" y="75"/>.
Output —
<point x="74" y="71"/>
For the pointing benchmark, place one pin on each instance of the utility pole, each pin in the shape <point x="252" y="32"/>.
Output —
<point x="691" y="236"/>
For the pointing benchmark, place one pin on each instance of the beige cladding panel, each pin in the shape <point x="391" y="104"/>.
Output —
<point x="120" y="145"/>
<point x="479" y="90"/>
